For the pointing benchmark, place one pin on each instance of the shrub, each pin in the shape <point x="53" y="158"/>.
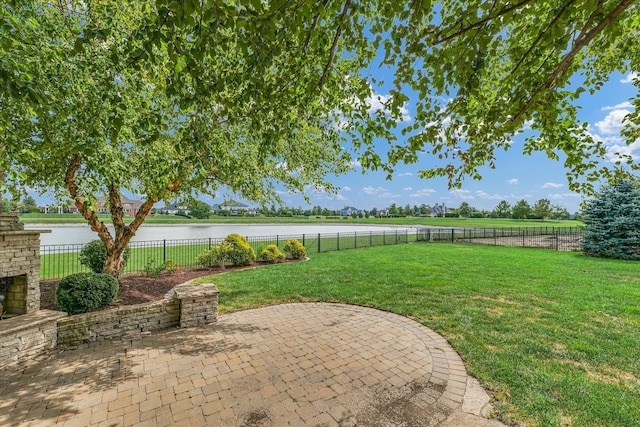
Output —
<point x="272" y="254"/>
<point x="94" y="254"/>
<point x="153" y="270"/>
<point x="83" y="292"/>
<point x="216" y="256"/>
<point x="295" y="249"/>
<point x="241" y="253"/>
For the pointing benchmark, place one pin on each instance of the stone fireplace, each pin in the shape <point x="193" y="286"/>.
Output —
<point x="19" y="266"/>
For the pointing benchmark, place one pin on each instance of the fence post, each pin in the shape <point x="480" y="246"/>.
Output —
<point x="303" y="241"/>
<point x="557" y="241"/>
<point x="384" y="237"/>
<point x="278" y="240"/>
<point x="396" y="236"/>
<point x="164" y="250"/>
<point x="370" y="238"/>
<point x="452" y="235"/>
<point x="338" y="242"/>
<point x="523" y="239"/>
<point x="209" y="243"/>
<point x="355" y="239"/>
<point x="318" y="242"/>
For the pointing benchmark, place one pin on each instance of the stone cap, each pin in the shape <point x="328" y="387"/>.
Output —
<point x="189" y="290"/>
<point x="25" y="321"/>
<point x="18" y="232"/>
<point x="10" y="224"/>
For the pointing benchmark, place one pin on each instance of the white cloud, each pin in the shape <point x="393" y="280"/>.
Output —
<point x="461" y="194"/>
<point x="629" y="78"/>
<point x="388" y="195"/>
<point x="370" y="191"/>
<point x="407" y="188"/>
<point x="613" y="122"/>
<point x="484" y="195"/>
<point x="562" y="196"/>
<point x="355" y="164"/>
<point x="379" y="192"/>
<point x="376" y="102"/>
<point x="552" y="185"/>
<point x="425" y="192"/>
<point x="339" y="197"/>
<point x="513" y="181"/>
<point x="405" y="174"/>
<point x="617" y="152"/>
<point x="620" y="106"/>
<point x="346" y="188"/>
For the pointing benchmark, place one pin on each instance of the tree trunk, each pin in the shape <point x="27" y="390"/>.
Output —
<point x="115" y="247"/>
<point x="114" y="263"/>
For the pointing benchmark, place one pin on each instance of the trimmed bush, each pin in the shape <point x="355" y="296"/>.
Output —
<point x="241" y="253"/>
<point x="94" y="254"/>
<point x="83" y="292"/>
<point x="216" y="256"/>
<point x="272" y="254"/>
<point x="295" y="249"/>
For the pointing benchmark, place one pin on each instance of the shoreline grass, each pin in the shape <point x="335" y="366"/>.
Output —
<point x="553" y="336"/>
<point x="408" y="221"/>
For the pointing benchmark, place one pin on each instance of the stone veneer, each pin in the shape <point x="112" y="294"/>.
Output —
<point x="19" y="265"/>
<point x="187" y="305"/>
<point x="25" y="337"/>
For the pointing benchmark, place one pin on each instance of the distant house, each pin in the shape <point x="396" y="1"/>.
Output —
<point x="174" y="209"/>
<point x="440" y="210"/>
<point x="231" y="207"/>
<point x="349" y="210"/>
<point x="129" y="206"/>
<point x="383" y="212"/>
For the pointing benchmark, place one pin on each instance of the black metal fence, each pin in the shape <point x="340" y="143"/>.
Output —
<point x="58" y="261"/>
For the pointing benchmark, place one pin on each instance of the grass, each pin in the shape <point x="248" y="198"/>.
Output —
<point x="554" y="336"/>
<point x="437" y="222"/>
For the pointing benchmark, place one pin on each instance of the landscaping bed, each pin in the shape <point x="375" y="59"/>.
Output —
<point x="137" y="288"/>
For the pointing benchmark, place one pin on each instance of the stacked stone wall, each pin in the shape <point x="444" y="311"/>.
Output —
<point x="187" y="306"/>
<point x="25" y="337"/>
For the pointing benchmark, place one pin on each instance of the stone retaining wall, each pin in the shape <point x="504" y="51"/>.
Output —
<point x="118" y="322"/>
<point x="186" y="306"/>
<point x="27" y="336"/>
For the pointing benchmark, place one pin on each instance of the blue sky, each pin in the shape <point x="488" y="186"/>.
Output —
<point x="515" y="177"/>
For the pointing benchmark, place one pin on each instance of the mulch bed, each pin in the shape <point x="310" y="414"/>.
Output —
<point x="137" y="289"/>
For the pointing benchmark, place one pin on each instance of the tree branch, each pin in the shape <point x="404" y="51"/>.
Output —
<point x="88" y="213"/>
<point x="580" y="43"/>
<point x="480" y="23"/>
<point x="541" y="34"/>
<point x="144" y="210"/>
<point x="332" y="52"/>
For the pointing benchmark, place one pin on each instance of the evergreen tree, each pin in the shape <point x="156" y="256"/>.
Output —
<point x="613" y="222"/>
<point x="521" y="210"/>
<point x="503" y="210"/>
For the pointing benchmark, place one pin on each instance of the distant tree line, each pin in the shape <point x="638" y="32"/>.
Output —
<point x="27" y="204"/>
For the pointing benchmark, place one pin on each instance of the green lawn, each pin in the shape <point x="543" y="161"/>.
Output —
<point x="438" y="222"/>
<point x="554" y="336"/>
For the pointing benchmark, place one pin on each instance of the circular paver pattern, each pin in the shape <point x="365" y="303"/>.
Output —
<point x="292" y="364"/>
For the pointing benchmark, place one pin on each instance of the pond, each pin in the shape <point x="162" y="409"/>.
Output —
<point x="62" y="234"/>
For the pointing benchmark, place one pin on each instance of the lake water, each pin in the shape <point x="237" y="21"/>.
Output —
<point x="62" y="234"/>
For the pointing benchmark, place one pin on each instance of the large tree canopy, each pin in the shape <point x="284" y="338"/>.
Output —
<point x="169" y="99"/>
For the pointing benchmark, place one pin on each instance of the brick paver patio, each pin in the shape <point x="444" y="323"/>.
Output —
<point x="290" y="364"/>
